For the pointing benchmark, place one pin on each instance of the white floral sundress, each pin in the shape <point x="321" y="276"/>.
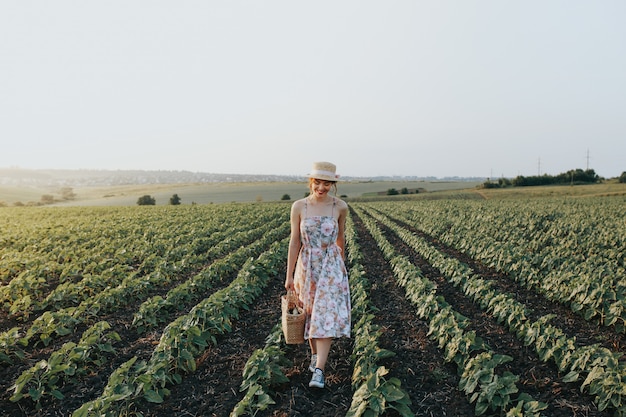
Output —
<point x="321" y="279"/>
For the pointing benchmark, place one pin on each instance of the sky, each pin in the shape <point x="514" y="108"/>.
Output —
<point x="466" y="88"/>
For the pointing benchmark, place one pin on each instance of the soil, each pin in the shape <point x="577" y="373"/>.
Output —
<point x="213" y="390"/>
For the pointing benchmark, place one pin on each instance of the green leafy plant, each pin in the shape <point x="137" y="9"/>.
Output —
<point x="71" y="360"/>
<point x="262" y="372"/>
<point x="377" y="394"/>
<point x="373" y="394"/>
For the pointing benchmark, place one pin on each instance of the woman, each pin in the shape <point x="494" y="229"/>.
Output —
<point x="315" y="266"/>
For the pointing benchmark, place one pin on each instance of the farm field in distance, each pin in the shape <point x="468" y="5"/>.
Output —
<point x="503" y="303"/>
<point x="222" y="192"/>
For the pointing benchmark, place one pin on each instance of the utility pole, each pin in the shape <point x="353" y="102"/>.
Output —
<point x="539" y="167"/>
<point x="587" y="159"/>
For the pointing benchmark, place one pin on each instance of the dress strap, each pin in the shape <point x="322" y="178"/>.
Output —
<point x="334" y="203"/>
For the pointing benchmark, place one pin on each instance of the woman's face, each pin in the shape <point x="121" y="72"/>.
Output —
<point x="319" y="188"/>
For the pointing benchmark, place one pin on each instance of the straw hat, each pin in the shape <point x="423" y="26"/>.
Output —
<point x="324" y="171"/>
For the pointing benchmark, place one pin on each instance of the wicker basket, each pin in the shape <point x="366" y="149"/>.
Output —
<point x="293" y="324"/>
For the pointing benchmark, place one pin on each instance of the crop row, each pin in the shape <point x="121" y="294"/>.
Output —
<point x="98" y="255"/>
<point x="374" y="393"/>
<point x="211" y="246"/>
<point x="45" y="249"/>
<point x="71" y="360"/>
<point x="134" y="287"/>
<point x="571" y="252"/>
<point x="228" y="264"/>
<point x="599" y="369"/>
<point x="476" y="362"/>
<point x="184" y="340"/>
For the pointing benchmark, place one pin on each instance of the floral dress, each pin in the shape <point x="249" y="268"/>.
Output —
<point x="321" y="279"/>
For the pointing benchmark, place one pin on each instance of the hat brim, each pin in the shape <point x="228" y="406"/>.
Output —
<point x="323" y="177"/>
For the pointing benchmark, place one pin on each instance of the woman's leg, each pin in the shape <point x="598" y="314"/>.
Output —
<point x="322" y="348"/>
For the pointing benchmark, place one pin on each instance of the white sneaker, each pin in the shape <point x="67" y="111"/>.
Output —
<point x="317" y="380"/>
<point x="313" y="363"/>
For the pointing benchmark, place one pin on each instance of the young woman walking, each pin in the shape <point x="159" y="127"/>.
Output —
<point x="315" y="266"/>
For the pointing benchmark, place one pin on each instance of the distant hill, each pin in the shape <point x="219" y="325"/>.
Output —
<point x="103" y="178"/>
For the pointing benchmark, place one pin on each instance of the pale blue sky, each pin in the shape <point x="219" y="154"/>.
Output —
<point x="426" y="88"/>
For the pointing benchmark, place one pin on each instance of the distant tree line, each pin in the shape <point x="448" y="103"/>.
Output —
<point x="67" y="193"/>
<point x="571" y="177"/>
<point x="148" y="200"/>
<point x="404" y="190"/>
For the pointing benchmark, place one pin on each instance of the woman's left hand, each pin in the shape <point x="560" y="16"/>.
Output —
<point x="289" y="284"/>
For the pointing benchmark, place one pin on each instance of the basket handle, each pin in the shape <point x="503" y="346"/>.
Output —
<point x="292" y="298"/>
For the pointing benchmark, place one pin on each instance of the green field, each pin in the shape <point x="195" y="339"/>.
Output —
<point x="148" y="301"/>
<point x="608" y="189"/>
<point x="126" y="310"/>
